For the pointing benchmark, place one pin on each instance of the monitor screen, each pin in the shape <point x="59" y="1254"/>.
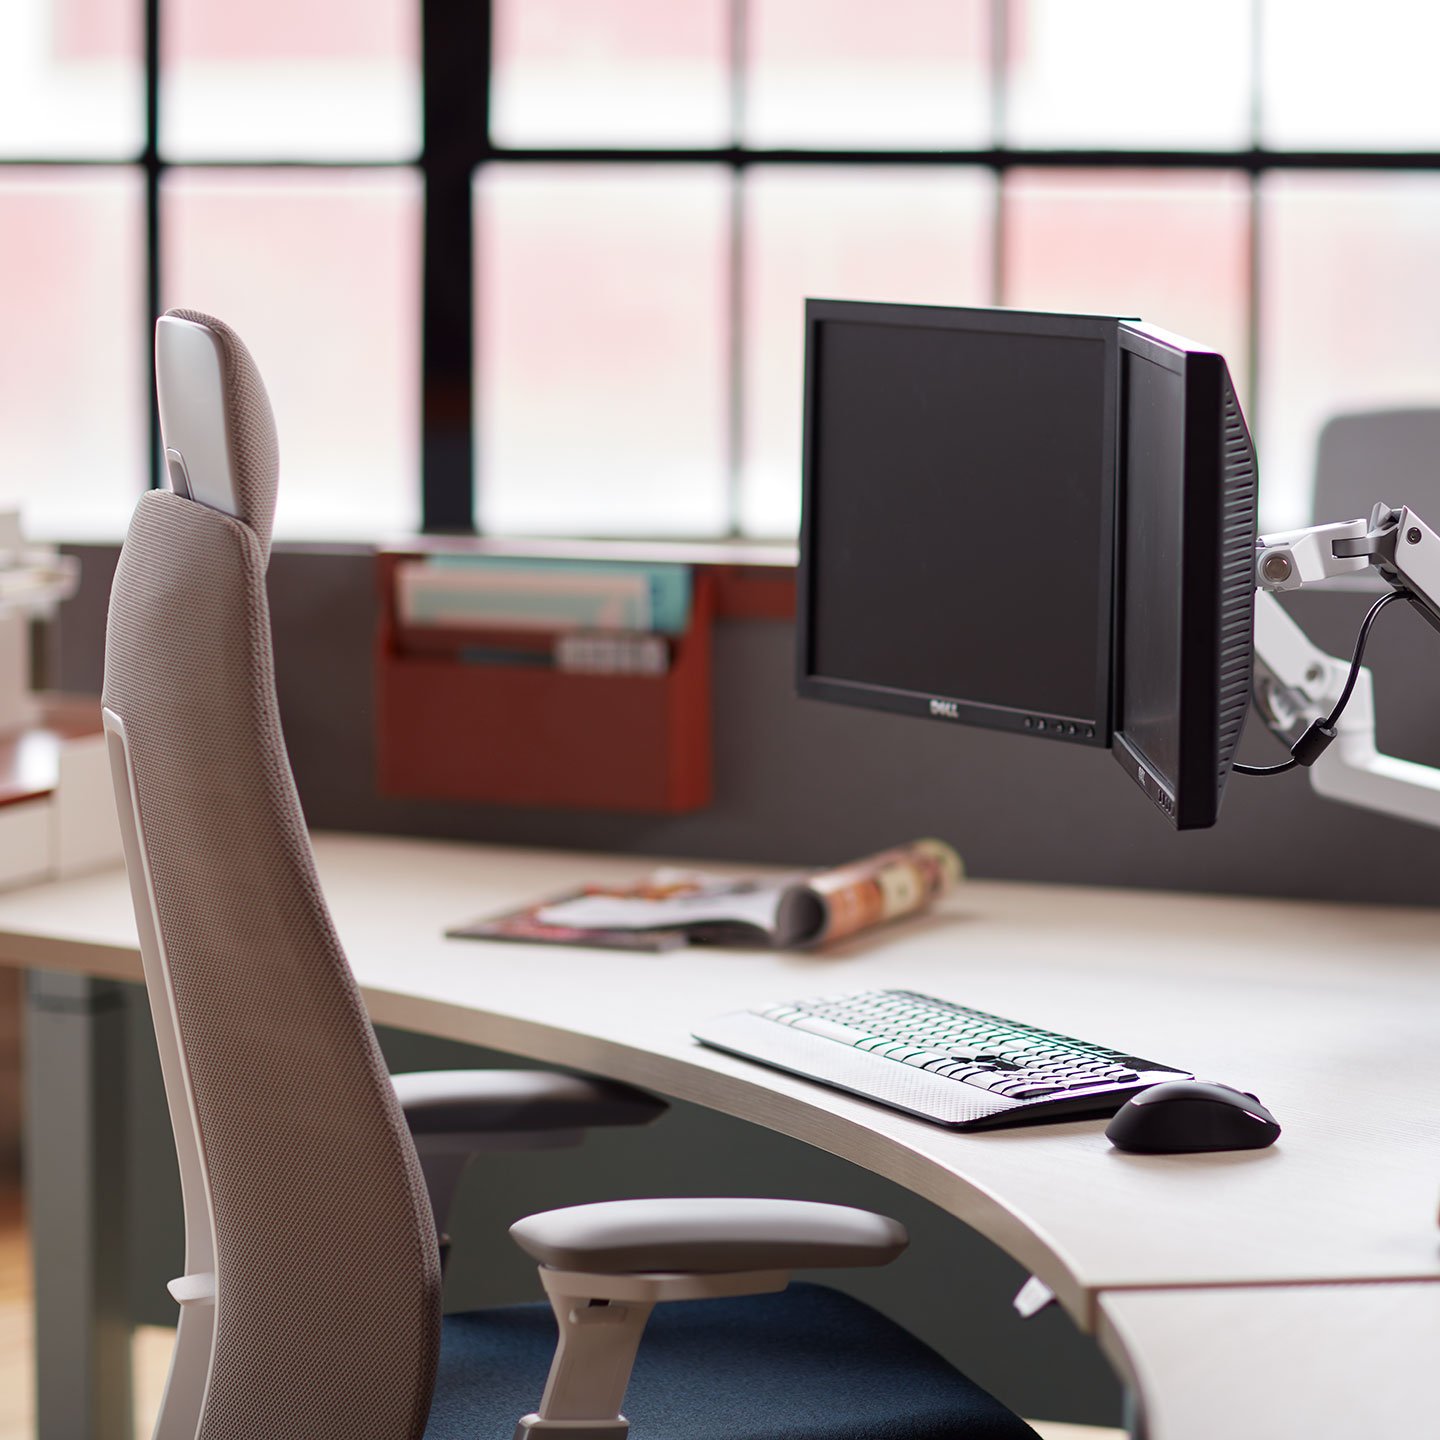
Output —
<point x="957" y="543"/>
<point x="1185" y="618"/>
<point x="1153" y="401"/>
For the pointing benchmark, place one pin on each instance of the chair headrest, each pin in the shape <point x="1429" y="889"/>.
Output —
<point x="218" y="430"/>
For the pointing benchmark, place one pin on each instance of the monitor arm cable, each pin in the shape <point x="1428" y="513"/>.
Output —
<point x="1315" y="739"/>
<point x="1322" y="707"/>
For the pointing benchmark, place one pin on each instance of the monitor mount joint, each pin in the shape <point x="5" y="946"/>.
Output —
<point x="1296" y="683"/>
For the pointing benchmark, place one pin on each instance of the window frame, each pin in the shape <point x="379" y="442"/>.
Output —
<point x="456" y="56"/>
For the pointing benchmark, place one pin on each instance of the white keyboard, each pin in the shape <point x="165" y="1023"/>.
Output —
<point x="944" y="1062"/>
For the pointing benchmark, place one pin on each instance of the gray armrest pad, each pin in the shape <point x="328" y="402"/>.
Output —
<point x="451" y="1102"/>
<point x="619" y="1237"/>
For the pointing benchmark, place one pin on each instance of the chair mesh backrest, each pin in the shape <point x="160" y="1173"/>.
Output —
<point x="327" y="1270"/>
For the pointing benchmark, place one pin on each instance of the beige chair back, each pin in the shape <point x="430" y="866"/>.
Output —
<point x="310" y="1307"/>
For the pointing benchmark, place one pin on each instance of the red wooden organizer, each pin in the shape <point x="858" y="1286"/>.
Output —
<point x="528" y="734"/>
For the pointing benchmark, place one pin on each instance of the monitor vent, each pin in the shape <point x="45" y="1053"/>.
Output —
<point x="1237" y="583"/>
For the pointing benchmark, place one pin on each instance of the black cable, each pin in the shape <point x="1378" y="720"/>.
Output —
<point x="1319" y="733"/>
<point x="1279" y="769"/>
<point x="1359" y="654"/>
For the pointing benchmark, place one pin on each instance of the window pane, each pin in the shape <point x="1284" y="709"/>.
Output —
<point x="602" y="331"/>
<point x="72" y="79"/>
<point x="1349" y="315"/>
<point x="1132" y="74"/>
<point x="611" y="73"/>
<point x="74" y="442"/>
<point x="290" y="80"/>
<point x="851" y="73"/>
<point x="919" y="234"/>
<point x="1171" y="249"/>
<point x="1342" y="77"/>
<point x="319" y="271"/>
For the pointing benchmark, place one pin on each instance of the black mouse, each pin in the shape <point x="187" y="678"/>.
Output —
<point x="1186" y="1116"/>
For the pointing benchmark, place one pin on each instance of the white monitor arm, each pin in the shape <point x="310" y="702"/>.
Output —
<point x="1297" y="684"/>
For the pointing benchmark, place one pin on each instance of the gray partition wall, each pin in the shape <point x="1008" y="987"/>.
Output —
<point x="799" y="782"/>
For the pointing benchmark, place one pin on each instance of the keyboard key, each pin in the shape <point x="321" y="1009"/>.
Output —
<point x="815" y="1025"/>
<point x="1002" y="1057"/>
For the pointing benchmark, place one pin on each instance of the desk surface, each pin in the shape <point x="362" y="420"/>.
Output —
<point x="1327" y="1012"/>
<point x="1292" y="1360"/>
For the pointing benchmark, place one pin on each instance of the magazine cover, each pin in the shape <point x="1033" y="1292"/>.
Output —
<point x="671" y="908"/>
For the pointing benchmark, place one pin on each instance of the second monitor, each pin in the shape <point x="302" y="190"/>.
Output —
<point x="1032" y="522"/>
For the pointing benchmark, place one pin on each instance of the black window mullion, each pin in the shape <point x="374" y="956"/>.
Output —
<point x="456" y="70"/>
<point x="735" y="278"/>
<point x="150" y="160"/>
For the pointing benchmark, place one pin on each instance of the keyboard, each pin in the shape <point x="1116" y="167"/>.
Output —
<point x="959" y="1067"/>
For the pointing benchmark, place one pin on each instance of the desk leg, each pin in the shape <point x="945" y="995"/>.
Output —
<point x="75" y="1173"/>
<point x="1133" y="1424"/>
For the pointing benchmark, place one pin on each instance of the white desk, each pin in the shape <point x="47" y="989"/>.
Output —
<point x="1287" y="1361"/>
<point x="1328" y="1013"/>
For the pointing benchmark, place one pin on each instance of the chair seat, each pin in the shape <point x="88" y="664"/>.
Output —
<point x="808" y="1364"/>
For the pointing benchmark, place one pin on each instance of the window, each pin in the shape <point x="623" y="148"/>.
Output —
<point x="120" y="195"/>
<point x="289" y="80"/>
<point x="602" y="320"/>
<point x="537" y="265"/>
<point x="319" y="270"/>
<point x="73" y="446"/>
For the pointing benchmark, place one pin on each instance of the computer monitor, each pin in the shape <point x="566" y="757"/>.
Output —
<point x="1032" y="522"/>
<point x="1184" y="648"/>
<point x="957" y="546"/>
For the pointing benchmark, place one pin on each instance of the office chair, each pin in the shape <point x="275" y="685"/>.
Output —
<point x="310" y="1306"/>
<point x="1362" y="455"/>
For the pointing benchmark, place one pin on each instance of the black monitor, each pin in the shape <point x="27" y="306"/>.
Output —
<point x="957" y="536"/>
<point x="1184" y="648"/>
<point x="1032" y="522"/>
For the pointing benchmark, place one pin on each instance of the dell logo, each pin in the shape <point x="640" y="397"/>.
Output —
<point x="948" y="709"/>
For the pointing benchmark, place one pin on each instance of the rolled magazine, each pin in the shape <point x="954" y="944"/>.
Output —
<point x="671" y="908"/>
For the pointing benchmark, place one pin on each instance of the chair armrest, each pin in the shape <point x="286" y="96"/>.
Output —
<point x="605" y="1266"/>
<point x="489" y="1102"/>
<point x="454" y="1115"/>
<point x="707" y="1236"/>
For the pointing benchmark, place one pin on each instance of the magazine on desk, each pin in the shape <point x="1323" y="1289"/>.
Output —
<point x="671" y="908"/>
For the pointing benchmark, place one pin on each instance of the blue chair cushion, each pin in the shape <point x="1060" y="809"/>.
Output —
<point x="808" y="1364"/>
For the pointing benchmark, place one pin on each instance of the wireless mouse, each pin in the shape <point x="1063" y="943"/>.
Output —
<point x="1187" y="1116"/>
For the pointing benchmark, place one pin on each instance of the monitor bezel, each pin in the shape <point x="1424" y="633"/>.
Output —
<point x="1093" y="730"/>
<point x="1190" y="799"/>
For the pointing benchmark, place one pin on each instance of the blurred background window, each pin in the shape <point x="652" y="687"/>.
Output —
<point x="290" y="80"/>
<point x="539" y="265"/>
<point x="73" y="381"/>
<point x="602" y="314"/>
<point x="319" y="271"/>
<point x="843" y="74"/>
<point x="1127" y="74"/>
<point x="606" y="73"/>
<point x="72" y="79"/>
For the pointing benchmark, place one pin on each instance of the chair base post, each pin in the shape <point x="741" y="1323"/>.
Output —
<point x="591" y="1369"/>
